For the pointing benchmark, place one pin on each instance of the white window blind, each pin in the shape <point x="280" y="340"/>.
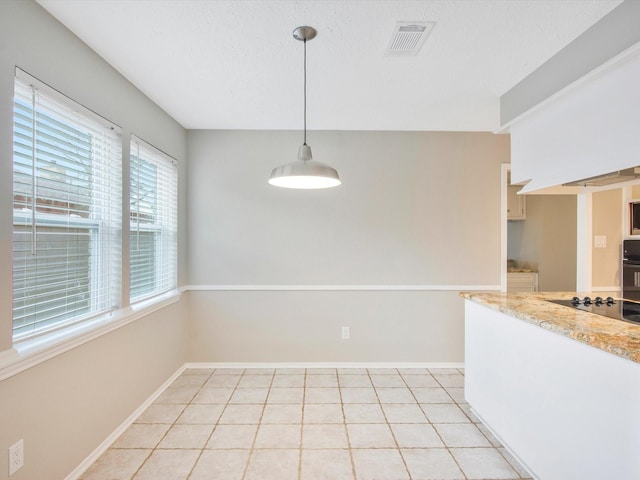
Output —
<point x="66" y="210"/>
<point x="154" y="221"/>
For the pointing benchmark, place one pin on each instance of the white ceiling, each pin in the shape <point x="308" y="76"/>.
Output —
<point x="233" y="64"/>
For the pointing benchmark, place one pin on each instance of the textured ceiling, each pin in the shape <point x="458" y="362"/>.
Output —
<point x="222" y="64"/>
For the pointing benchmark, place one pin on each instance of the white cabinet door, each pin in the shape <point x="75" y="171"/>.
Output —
<point x="516" y="206"/>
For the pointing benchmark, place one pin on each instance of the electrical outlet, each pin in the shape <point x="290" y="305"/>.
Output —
<point x="16" y="456"/>
<point x="346" y="333"/>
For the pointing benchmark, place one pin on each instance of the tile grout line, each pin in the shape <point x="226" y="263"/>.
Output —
<point x="255" y="437"/>
<point x="304" y="398"/>
<point x="492" y="446"/>
<point x="346" y="430"/>
<point x="393" y="435"/>
<point x="212" y="430"/>
<point x="154" y="449"/>
<point x="215" y="427"/>
<point x="143" y="462"/>
<point x="447" y="447"/>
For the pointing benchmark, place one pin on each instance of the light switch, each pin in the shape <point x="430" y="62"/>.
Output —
<point x="600" y="241"/>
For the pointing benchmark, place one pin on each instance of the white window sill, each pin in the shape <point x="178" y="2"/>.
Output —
<point x="31" y="352"/>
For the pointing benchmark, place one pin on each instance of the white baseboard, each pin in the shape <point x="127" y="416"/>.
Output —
<point x="325" y="365"/>
<point x="505" y="445"/>
<point x="104" y="446"/>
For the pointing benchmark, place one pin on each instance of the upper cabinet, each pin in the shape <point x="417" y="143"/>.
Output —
<point x="588" y="129"/>
<point x="516" y="204"/>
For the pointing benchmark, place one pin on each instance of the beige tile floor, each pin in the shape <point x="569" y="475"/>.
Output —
<point x="309" y="424"/>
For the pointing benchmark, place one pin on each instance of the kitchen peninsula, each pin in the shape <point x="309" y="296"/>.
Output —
<point x="560" y="387"/>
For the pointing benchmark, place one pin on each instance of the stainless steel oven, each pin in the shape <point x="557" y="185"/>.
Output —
<point x="631" y="270"/>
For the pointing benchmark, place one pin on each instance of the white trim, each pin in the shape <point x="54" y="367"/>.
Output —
<point x="325" y="365"/>
<point x="40" y="349"/>
<point x="336" y="288"/>
<point x="8" y="356"/>
<point x="106" y="443"/>
<point x="504" y="444"/>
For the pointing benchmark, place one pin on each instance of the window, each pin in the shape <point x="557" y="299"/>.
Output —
<point x="153" y="216"/>
<point x="66" y="211"/>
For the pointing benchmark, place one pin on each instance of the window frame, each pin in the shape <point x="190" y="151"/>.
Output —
<point x="166" y="225"/>
<point x="103" y="200"/>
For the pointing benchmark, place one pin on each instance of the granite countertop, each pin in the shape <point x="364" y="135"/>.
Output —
<point x="608" y="334"/>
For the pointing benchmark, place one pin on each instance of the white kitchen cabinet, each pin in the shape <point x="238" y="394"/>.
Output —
<point x="516" y="204"/>
<point x="566" y="410"/>
<point x="522" y="281"/>
<point x="583" y="131"/>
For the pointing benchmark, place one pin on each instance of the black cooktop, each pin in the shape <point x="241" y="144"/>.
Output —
<point x="624" y="310"/>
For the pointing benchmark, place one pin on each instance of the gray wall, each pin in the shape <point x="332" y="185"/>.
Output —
<point x="65" y="407"/>
<point x="301" y="326"/>
<point x="547" y="238"/>
<point x="415" y="211"/>
<point x="416" y="220"/>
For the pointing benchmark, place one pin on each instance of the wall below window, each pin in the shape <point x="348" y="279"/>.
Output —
<point x="416" y="220"/>
<point x="65" y="407"/>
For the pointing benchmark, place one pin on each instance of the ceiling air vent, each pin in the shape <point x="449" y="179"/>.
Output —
<point x="408" y="37"/>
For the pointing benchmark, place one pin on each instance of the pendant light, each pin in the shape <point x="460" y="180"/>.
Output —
<point x="304" y="173"/>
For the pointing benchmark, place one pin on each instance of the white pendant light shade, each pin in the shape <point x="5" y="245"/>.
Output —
<point x="304" y="173"/>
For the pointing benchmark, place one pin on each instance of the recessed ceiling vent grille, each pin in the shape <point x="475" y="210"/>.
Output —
<point x="408" y="37"/>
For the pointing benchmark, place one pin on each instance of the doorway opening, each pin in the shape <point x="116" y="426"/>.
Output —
<point x="539" y="240"/>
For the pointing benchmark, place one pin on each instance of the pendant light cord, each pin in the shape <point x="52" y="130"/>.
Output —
<point x="305" y="91"/>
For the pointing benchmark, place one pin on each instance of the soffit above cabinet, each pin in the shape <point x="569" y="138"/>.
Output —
<point x="588" y="130"/>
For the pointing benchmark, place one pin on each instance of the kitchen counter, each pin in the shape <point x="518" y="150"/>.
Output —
<point x="558" y="386"/>
<point x="608" y="334"/>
